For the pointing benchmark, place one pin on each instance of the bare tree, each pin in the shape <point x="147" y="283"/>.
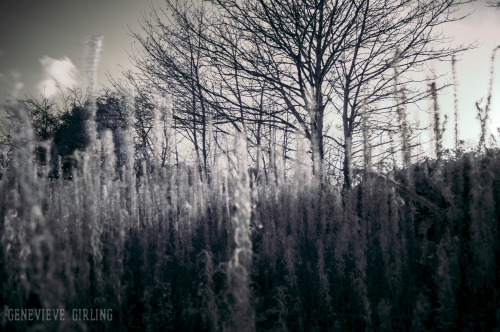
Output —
<point x="392" y="38"/>
<point x="172" y="59"/>
<point x="293" y="47"/>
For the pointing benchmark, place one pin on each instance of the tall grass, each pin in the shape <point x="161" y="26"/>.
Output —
<point x="173" y="249"/>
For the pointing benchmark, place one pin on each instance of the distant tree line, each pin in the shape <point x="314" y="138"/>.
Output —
<point x="59" y="128"/>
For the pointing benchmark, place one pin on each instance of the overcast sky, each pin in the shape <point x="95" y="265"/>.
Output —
<point x="44" y="40"/>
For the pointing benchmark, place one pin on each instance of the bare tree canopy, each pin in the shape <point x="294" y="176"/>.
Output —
<point x="302" y="65"/>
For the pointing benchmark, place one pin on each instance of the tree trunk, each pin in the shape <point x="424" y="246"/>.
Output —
<point x="348" y="161"/>
<point x="317" y="145"/>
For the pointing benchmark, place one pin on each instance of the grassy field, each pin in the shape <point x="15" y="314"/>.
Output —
<point x="416" y="249"/>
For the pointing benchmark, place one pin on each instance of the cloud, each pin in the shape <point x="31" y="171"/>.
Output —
<point x="57" y="72"/>
<point x="1" y="52"/>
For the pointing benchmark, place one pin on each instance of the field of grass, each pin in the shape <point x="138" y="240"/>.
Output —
<point x="172" y="250"/>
